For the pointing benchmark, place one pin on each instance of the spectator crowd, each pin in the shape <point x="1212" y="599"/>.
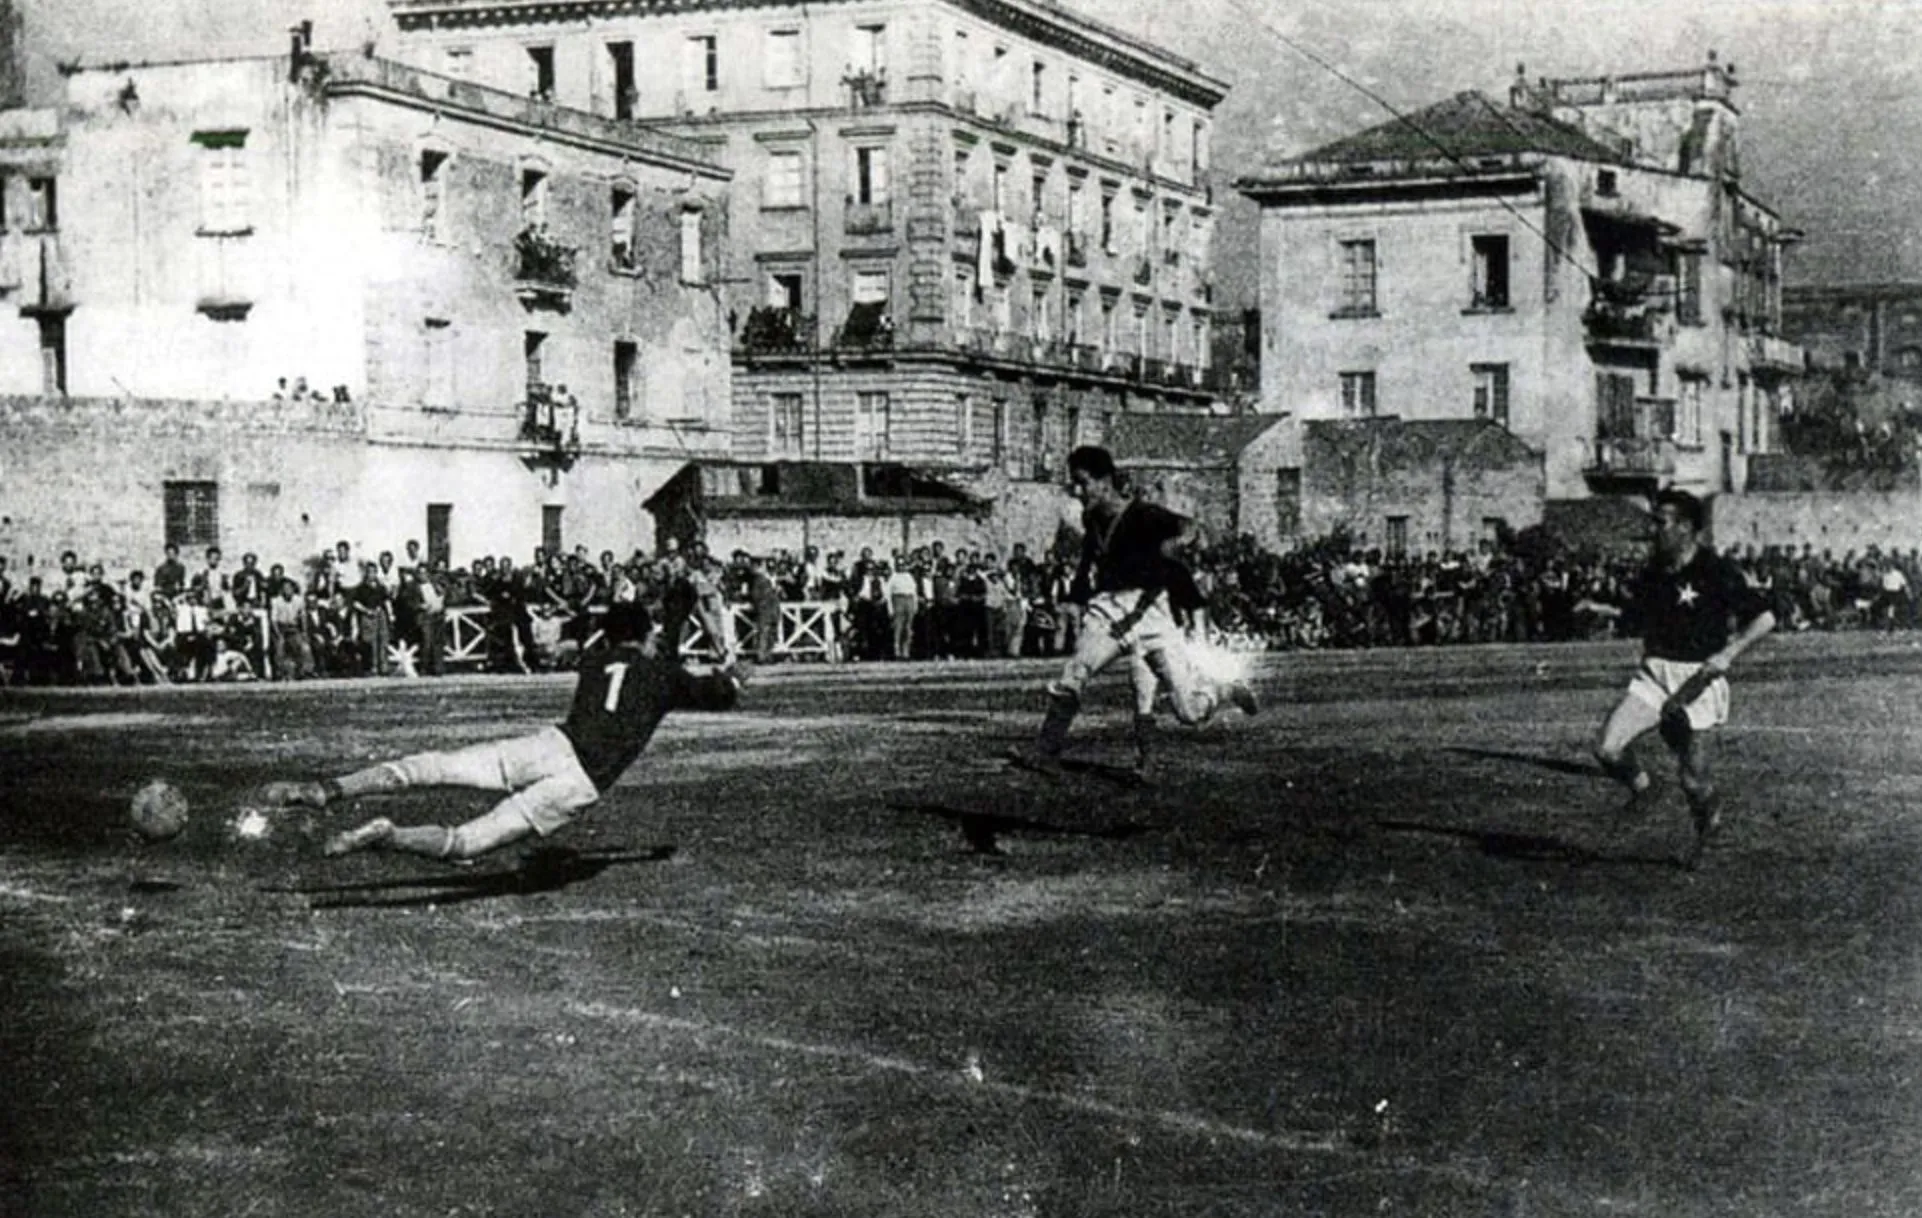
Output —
<point x="341" y="614"/>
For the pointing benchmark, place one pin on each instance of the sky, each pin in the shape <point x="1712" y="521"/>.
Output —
<point x="1830" y="90"/>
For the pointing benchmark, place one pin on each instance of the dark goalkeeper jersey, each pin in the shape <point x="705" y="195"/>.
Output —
<point x="620" y="699"/>
<point x="1687" y="614"/>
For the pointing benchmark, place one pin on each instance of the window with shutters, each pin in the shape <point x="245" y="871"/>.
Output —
<point x="190" y="514"/>
<point x="623" y="242"/>
<point x="693" y="266"/>
<point x="627" y="366"/>
<point x="225" y="203"/>
<point x="871" y="420"/>
<point x="1395" y="536"/>
<point x="1615" y="406"/>
<point x="1358" y="395"/>
<point x="438" y="338"/>
<point x="1489" y="288"/>
<point x="781" y="65"/>
<point x="785" y="185"/>
<point x="1357" y="279"/>
<point x="1491" y="391"/>
<point x="786" y="424"/>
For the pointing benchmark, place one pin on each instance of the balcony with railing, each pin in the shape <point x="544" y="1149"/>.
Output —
<point x="772" y="331"/>
<point x="868" y="327"/>
<point x="1635" y="438"/>
<point x="867" y="87"/>
<point x="1768" y="354"/>
<point x="550" y="428"/>
<point x="868" y="218"/>
<point x="544" y="274"/>
<point x="1633" y="457"/>
<point x="1627" y="312"/>
<point x="967" y="224"/>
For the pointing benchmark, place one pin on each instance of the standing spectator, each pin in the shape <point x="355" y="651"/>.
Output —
<point x="33" y="617"/>
<point x="193" y="649"/>
<point x="373" y="620"/>
<point x="292" y="649"/>
<point x="429" y="609"/>
<point x="765" y="598"/>
<point x="347" y="570"/>
<point x="1014" y="607"/>
<point x="170" y="577"/>
<point x="250" y="584"/>
<point x="971" y="609"/>
<point x="904" y="607"/>
<point x="1893" y="605"/>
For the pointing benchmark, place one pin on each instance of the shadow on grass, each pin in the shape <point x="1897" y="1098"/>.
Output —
<point x="1585" y="769"/>
<point x="1529" y="847"/>
<point x="982" y="831"/>
<point x="548" y="869"/>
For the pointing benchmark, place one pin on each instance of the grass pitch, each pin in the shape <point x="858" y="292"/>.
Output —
<point x="1385" y="948"/>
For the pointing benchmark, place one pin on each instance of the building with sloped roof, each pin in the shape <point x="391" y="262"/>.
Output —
<point x="1579" y="265"/>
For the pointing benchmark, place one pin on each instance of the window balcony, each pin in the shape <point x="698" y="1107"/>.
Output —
<point x="774" y="331"/>
<point x="550" y="428"/>
<point x="867" y="218"/>
<point x="867" y="87"/>
<point x="1627" y="312"/>
<point x="1636" y="457"/>
<point x="967" y="224"/>
<point x="544" y="275"/>
<point x="867" y="328"/>
<point x="1768" y="354"/>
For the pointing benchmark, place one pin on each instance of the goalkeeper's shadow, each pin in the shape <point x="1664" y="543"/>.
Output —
<point x="548" y="869"/>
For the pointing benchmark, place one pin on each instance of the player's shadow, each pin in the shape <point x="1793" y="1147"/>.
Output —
<point x="547" y="869"/>
<point x="1561" y="765"/>
<point x="1526" y="847"/>
<point x="982" y="831"/>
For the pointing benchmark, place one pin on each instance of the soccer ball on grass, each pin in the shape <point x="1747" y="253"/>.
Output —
<point x="158" y="811"/>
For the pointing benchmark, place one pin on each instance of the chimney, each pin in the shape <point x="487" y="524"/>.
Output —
<point x="300" y="42"/>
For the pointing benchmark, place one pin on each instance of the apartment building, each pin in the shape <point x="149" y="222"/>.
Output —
<point x="1871" y="327"/>
<point x="293" y="299"/>
<point x="1580" y="264"/>
<point x="964" y="234"/>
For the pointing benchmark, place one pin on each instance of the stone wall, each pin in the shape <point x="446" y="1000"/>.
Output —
<point x="1839" y="521"/>
<point x="1447" y="482"/>
<point x="89" y="475"/>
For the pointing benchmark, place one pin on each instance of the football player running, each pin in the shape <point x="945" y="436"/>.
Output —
<point x="552" y="775"/>
<point x="1688" y="596"/>
<point x="1127" y="554"/>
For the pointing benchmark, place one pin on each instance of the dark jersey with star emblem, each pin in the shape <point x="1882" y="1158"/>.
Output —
<point x="1688" y="615"/>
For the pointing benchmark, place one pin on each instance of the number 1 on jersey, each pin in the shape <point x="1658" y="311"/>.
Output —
<point x="616" y="673"/>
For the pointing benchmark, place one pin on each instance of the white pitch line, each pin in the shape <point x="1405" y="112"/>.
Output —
<point x="1178" y="1122"/>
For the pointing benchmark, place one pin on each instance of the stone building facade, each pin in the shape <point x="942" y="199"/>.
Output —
<point x="966" y="234"/>
<point x="504" y="314"/>
<point x="1580" y="266"/>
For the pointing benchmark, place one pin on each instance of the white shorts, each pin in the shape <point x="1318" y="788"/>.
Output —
<point x="1154" y="630"/>
<point x="1656" y="679"/>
